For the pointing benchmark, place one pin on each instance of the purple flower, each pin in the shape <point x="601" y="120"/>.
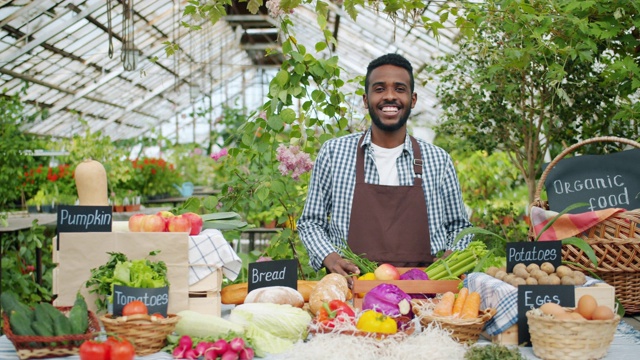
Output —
<point x="293" y="160"/>
<point x="217" y="155"/>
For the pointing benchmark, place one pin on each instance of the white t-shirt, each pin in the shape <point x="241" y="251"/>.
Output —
<point x="386" y="163"/>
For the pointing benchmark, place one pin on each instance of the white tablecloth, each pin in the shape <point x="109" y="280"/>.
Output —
<point x="208" y="252"/>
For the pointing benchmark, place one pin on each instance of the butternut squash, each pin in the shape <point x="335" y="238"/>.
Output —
<point x="91" y="183"/>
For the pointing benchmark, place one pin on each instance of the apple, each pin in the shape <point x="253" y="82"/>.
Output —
<point x="179" y="223"/>
<point x="153" y="223"/>
<point x="386" y="272"/>
<point x="165" y="214"/>
<point x="196" y="222"/>
<point x="135" y="222"/>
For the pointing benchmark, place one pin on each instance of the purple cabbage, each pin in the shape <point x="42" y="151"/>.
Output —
<point x="389" y="300"/>
<point x="417" y="274"/>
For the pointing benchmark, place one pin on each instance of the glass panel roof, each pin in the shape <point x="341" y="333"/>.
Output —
<point x="61" y="48"/>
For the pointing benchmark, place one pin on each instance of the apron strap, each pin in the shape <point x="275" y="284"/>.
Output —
<point x="417" y="161"/>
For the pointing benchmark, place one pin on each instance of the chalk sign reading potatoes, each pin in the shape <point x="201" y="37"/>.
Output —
<point x="536" y="252"/>
<point x="156" y="299"/>
<point x="602" y="181"/>
<point x="273" y="273"/>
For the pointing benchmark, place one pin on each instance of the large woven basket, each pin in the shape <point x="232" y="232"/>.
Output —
<point x="462" y="330"/>
<point x="554" y="339"/>
<point x="148" y="334"/>
<point x="41" y="347"/>
<point x="615" y="241"/>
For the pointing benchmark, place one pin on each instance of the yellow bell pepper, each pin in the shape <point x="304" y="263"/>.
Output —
<point x="366" y="276"/>
<point x="373" y="321"/>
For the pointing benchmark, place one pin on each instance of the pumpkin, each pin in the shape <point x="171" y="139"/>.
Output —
<point x="91" y="182"/>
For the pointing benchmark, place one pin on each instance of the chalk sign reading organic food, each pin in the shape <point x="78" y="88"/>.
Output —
<point x="156" y="299"/>
<point x="602" y="181"/>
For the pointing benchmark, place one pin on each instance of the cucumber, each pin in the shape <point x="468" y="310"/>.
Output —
<point x="20" y="323"/>
<point x="79" y="316"/>
<point x="11" y="302"/>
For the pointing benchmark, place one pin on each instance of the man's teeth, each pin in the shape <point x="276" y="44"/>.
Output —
<point x="390" y="109"/>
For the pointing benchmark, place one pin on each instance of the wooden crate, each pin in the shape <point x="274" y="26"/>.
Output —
<point x="408" y="286"/>
<point x="204" y="296"/>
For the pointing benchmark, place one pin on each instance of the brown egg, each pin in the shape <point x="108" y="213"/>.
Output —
<point x="602" y="312"/>
<point x="576" y="316"/>
<point x="552" y="309"/>
<point x="586" y="305"/>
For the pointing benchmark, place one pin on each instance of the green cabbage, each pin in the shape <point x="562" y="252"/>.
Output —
<point x="283" y="321"/>
<point x="266" y="343"/>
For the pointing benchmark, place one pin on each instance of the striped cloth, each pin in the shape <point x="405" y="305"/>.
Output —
<point x="501" y="296"/>
<point x="567" y="225"/>
<point x="208" y="252"/>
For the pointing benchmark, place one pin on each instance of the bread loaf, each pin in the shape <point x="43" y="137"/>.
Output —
<point x="236" y="293"/>
<point x="282" y="295"/>
<point x="330" y="287"/>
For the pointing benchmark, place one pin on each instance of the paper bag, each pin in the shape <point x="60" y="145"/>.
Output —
<point x="78" y="253"/>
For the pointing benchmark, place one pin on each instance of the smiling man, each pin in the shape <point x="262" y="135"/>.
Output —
<point x="393" y="198"/>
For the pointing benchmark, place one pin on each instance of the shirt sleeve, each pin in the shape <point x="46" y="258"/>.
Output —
<point x="313" y="223"/>
<point x="455" y="215"/>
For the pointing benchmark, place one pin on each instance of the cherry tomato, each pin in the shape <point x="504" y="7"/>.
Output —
<point x="120" y="349"/>
<point x="158" y="315"/>
<point x="94" y="350"/>
<point x="135" y="307"/>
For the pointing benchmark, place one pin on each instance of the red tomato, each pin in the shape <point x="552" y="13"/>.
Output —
<point x="135" y="307"/>
<point x="120" y="349"/>
<point x="158" y="315"/>
<point x="94" y="350"/>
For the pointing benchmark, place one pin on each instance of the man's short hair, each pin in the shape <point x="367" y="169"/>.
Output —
<point x="389" y="59"/>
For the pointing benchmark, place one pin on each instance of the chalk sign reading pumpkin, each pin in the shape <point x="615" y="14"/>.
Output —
<point x="602" y="181"/>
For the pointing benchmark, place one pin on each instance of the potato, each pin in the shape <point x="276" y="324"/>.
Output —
<point x="521" y="272"/>
<point x="548" y="268"/>
<point x="517" y="281"/>
<point x="532" y="281"/>
<point x="532" y="266"/>
<point x="537" y="273"/>
<point x="567" y="280"/>
<point x="509" y="278"/>
<point x="500" y="274"/>
<point x="503" y="268"/>
<point x="554" y="279"/>
<point x="563" y="271"/>
<point x="579" y="277"/>
<point x="519" y="266"/>
<point x="491" y="271"/>
<point x="544" y="280"/>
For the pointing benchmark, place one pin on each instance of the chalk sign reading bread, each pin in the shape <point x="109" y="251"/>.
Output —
<point x="602" y="181"/>
<point x="273" y="273"/>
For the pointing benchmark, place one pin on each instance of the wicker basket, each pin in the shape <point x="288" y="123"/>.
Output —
<point x="615" y="241"/>
<point x="148" y="334"/>
<point x="554" y="339"/>
<point x="40" y="347"/>
<point x="462" y="330"/>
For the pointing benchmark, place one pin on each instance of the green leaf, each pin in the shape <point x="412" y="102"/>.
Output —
<point x="224" y="224"/>
<point x="584" y="246"/>
<point x="228" y="215"/>
<point x="288" y="116"/>
<point x="476" y="230"/>
<point x="321" y="45"/>
<point x="275" y="122"/>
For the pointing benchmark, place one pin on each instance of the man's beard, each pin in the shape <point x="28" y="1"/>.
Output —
<point x="388" y="128"/>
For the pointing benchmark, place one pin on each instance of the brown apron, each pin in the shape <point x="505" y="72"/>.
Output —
<point x="389" y="223"/>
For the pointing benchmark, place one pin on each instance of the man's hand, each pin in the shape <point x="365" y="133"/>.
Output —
<point x="336" y="264"/>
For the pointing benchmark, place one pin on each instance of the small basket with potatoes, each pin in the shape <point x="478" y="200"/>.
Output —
<point x="559" y="333"/>
<point x="534" y="274"/>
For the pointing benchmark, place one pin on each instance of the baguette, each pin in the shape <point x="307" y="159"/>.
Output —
<point x="236" y="293"/>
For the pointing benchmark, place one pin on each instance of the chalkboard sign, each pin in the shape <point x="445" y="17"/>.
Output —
<point x="603" y="181"/>
<point x="273" y="273"/>
<point x="533" y="296"/>
<point x="84" y="218"/>
<point x="156" y="299"/>
<point x="536" y="252"/>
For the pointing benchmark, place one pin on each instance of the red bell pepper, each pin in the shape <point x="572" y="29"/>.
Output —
<point x="335" y="310"/>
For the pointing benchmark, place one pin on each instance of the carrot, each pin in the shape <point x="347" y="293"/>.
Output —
<point x="471" y="307"/>
<point x="457" y="305"/>
<point x="445" y="306"/>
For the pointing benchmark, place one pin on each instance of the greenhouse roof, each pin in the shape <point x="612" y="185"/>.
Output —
<point x="82" y="61"/>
